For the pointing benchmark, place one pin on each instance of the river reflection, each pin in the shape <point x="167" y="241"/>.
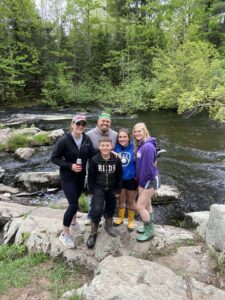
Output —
<point x="194" y="162"/>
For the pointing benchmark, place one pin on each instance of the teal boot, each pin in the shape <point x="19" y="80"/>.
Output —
<point x="148" y="233"/>
<point x="141" y="229"/>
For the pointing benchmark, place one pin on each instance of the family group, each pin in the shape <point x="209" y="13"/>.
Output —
<point x="118" y="166"/>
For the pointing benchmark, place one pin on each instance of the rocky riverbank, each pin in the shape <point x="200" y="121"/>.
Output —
<point x="175" y="264"/>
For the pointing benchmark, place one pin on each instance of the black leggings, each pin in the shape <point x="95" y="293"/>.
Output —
<point x="72" y="188"/>
<point x="103" y="202"/>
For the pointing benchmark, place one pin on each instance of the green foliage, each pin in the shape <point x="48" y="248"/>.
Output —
<point x="190" y="79"/>
<point x="221" y="264"/>
<point x="83" y="203"/>
<point x="15" y="267"/>
<point x="18" y="269"/>
<point x="126" y="54"/>
<point x="41" y="139"/>
<point x="19" y="54"/>
<point x="25" y="236"/>
<point x="2" y="147"/>
<point x="58" y="88"/>
<point x="9" y="253"/>
<point x="17" y="141"/>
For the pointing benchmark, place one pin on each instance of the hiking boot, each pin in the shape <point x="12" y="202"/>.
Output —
<point x="78" y="227"/>
<point x="119" y="220"/>
<point x="91" y="240"/>
<point x="130" y="225"/>
<point x="110" y="230"/>
<point x="148" y="233"/>
<point x="67" y="241"/>
<point x="109" y="227"/>
<point x="93" y="236"/>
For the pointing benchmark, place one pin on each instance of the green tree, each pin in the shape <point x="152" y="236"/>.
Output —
<point x="18" y="52"/>
<point x="190" y="79"/>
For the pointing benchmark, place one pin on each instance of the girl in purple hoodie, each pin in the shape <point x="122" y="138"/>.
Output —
<point x="147" y="177"/>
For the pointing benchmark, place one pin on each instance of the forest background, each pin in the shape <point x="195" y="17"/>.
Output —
<point x="122" y="54"/>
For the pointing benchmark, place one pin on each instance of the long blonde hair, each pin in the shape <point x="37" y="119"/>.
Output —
<point x="146" y="134"/>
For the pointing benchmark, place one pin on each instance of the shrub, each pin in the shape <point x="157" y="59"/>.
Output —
<point x="2" y="147"/>
<point x="83" y="203"/>
<point x="17" y="141"/>
<point x="40" y="139"/>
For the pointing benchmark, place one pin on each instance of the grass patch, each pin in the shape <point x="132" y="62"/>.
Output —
<point x="2" y="147"/>
<point x="17" y="141"/>
<point x="83" y="203"/>
<point x="57" y="206"/>
<point x="16" y="267"/>
<point x="221" y="264"/>
<point x="40" y="139"/>
<point x="37" y="272"/>
<point x="26" y="140"/>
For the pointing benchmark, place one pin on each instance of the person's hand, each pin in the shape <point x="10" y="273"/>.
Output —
<point x="117" y="195"/>
<point x="76" y="168"/>
<point x="115" y="153"/>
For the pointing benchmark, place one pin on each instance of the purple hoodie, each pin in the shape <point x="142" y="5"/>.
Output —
<point x="145" y="159"/>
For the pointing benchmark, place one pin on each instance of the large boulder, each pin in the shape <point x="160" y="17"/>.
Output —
<point x="215" y="232"/>
<point x="166" y="194"/>
<point x="24" y="153"/>
<point x="39" y="228"/>
<point x="55" y="134"/>
<point x="44" y="225"/>
<point x="35" y="181"/>
<point x="6" y="192"/>
<point x="4" y="135"/>
<point x="209" y="225"/>
<point x="197" y="220"/>
<point x="126" y="277"/>
<point x="8" y="189"/>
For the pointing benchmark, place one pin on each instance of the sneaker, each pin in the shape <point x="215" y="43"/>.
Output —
<point x="87" y="222"/>
<point x="67" y="241"/>
<point x="78" y="227"/>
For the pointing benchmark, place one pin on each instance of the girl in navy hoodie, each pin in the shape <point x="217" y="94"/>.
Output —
<point x="147" y="177"/>
<point x="125" y="149"/>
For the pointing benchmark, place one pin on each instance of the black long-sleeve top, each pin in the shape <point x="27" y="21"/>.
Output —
<point x="105" y="174"/>
<point x="66" y="152"/>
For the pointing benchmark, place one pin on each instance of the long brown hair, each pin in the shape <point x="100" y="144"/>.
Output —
<point x="126" y="131"/>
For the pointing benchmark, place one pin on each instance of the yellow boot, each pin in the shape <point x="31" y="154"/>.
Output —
<point x="119" y="219"/>
<point x="130" y="225"/>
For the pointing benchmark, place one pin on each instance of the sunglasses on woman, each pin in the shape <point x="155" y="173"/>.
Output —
<point x="81" y="124"/>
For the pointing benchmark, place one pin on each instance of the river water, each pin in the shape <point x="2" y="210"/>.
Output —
<point x="194" y="162"/>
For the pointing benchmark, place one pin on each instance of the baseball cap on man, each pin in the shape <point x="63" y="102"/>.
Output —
<point x="104" y="115"/>
<point x="79" y="118"/>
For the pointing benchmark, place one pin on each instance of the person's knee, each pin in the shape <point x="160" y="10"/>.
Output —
<point x="139" y="207"/>
<point x="73" y="208"/>
<point x="96" y="218"/>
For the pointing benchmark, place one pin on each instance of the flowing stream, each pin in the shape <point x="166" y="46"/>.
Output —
<point x="194" y="162"/>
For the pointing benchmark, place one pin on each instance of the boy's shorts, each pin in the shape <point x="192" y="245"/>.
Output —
<point x="155" y="183"/>
<point x="130" y="184"/>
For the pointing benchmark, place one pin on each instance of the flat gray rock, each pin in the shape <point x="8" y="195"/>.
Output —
<point x="126" y="277"/>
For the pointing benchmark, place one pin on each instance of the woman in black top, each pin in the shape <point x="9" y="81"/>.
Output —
<point x="71" y="154"/>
